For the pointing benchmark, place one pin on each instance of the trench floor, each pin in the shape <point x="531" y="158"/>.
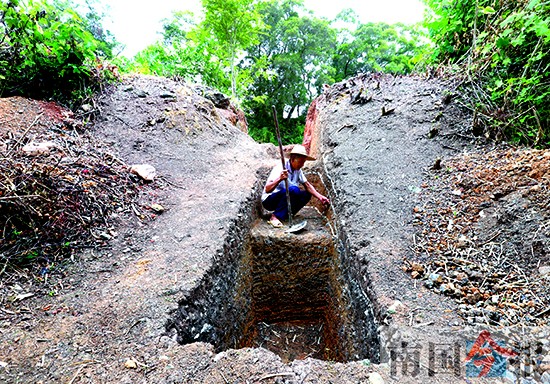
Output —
<point x="295" y="340"/>
<point x="300" y="329"/>
<point x="317" y="225"/>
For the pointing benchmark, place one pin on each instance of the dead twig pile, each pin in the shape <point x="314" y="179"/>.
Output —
<point x="483" y="236"/>
<point x="57" y="200"/>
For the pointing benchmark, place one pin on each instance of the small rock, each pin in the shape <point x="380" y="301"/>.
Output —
<point x="145" y="171"/>
<point x="375" y="378"/>
<point x="544" y="270"/>
<point x="219" y="356"/>
<point x="462" y="241"/>
<point x="435" y="278"/>
<point x="131" y="364"/>
<point x="35" y="149"/>
<point x="167" y="95"/>
<point x="157" y="208"/>
<point x="395" y="306"/>
<point x="535" y="188"/>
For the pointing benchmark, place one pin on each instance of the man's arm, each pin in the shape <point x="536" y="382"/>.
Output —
<point x="311" y="189"/>
<point x="271" y="184"/>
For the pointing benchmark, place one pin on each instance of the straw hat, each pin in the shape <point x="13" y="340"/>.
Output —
<point x="300" y="150"/>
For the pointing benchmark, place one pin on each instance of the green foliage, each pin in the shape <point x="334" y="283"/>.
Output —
<point x="186" y="52"/>
<point x="376" y="47"/>
<point x="235" y="24"/>
<point x="286" y="66"/>
<point x="503" y="47"/>
<point x="47" y="50"/>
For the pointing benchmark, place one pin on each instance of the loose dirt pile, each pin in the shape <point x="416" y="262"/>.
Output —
<point x="484" y="235"/>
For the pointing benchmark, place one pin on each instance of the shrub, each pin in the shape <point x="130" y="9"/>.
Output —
<point x="47" y="51"/>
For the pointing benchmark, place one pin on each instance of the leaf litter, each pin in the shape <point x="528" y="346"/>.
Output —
<point x="483" y="235"/>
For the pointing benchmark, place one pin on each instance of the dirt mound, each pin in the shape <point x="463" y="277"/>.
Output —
<point x="480" y="218"/>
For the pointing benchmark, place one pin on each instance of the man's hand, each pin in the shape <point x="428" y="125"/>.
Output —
<point x="324" y="200"/>
<point x="272" y="184"/>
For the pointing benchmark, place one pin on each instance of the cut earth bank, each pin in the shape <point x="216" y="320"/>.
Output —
<point x="371" y="136"/>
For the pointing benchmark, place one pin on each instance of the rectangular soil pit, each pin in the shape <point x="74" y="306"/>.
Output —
<point x="298" y="295"/>
<point x="295" y="303"/>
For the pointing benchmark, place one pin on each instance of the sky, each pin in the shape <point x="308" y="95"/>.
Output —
<point x="137" y="24"/>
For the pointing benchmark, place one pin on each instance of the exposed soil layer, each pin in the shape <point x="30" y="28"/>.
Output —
<point x="108" y="317"/>
<point x="283" y="291"/>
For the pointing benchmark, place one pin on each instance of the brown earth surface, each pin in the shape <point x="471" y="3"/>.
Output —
<point x="440" y="252"/>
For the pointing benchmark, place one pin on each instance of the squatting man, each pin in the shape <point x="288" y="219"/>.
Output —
<point x="274" y="194"/>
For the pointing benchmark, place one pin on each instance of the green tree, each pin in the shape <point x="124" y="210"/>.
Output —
<point x="285" y="67"/>
<point x="375" y="47"/>
<point x="186" y="51"/>
<point x="235" y="24"/>
<point x="280" y="59"/>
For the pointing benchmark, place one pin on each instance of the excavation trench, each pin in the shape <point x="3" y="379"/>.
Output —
<point x="298" y="295"/>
